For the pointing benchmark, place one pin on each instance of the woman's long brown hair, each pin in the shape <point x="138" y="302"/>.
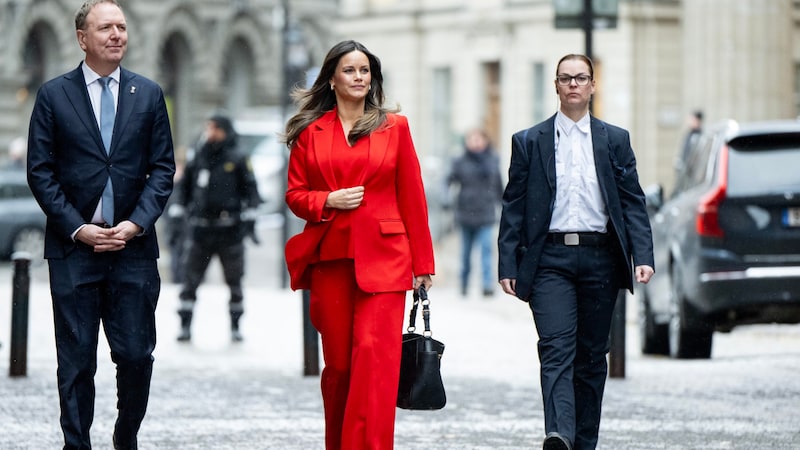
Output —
<point x="314" y="102"/>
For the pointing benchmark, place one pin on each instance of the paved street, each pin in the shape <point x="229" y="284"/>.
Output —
<point x="212" y="394"/>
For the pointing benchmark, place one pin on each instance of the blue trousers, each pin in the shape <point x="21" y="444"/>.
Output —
<point x="121" y="292"/>
<point x="482" y="236"/>
<point x="573" y="301"/>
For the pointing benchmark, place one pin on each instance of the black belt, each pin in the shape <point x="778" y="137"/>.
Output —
<point x="103" y="225"/>
<point x="592" y="239"/>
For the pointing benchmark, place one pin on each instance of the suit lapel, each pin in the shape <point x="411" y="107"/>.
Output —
<point x="126" y="99"/>
<point x="601" y="148"/>
<point x="78" y="95"/>
<point x="378" y="145"/>
<point x="547" y="151"/>
<point x="324" y="135"/>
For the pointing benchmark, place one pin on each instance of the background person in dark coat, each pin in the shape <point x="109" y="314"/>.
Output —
<point x="95" y="128"/>
<point x="480" y="188"/>
<point x="219" y="194"/>
<point x="693" y="132"/>
<point x="573" y="218"/>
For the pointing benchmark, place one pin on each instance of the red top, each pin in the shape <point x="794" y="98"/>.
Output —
<point x="348" y="163"/>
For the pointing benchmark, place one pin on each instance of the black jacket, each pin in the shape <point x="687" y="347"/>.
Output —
<point x="480" y="187"/>
<point x="218" y="185"/>
<point x="529" y="200"/>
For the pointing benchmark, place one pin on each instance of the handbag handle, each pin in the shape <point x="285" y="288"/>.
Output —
<point x="420" y="296"/>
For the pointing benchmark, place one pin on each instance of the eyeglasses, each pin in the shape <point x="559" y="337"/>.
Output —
<point x="581" y="79"/>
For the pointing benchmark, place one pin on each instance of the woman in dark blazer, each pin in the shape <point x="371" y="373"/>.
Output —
<point x="574" y="231"/>
<point x="354" y="176"/>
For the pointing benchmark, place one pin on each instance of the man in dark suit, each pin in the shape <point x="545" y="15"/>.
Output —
<point x="100" y="164"/>
<point x="573" y="219"/>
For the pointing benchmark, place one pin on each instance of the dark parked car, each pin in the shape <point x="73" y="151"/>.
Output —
<point x="21" y="220"/>
<point x="727" y="241"/>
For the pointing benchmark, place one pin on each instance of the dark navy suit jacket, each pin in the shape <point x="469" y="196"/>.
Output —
<point x="68" y="166"/>
<point x="529" y="199"/>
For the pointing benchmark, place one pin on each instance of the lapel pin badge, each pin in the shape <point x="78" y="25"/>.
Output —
<point x="133" y="89"/>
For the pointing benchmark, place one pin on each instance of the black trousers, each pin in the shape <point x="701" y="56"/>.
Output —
<point x="573" y="301"/>
<point x="121" y="292"/>
<point x="230" y="250"/>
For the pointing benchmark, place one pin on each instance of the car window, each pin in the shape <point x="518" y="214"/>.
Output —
<point x="763" y="170"/>
<point x="696" y="166"/>
<point x="256" y="133"/>
<point x="267" y="146"/>
<point x="21" y="191"/>
<point x="12" y="191"/>
<point x="248" y="142"/>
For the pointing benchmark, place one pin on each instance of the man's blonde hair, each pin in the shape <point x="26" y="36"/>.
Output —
<point x="83" y="11"/>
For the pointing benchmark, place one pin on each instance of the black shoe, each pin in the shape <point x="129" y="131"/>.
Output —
<point x="555" y="441"/>
<point x="185" y="335"/>
<point x="236" y="313"/>
<point x="185" y="313"/>
<point x="236" y="336"/>
<point x="488" y="292"/>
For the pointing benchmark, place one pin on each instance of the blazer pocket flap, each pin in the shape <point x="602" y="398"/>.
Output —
<point x="392" y="227"/>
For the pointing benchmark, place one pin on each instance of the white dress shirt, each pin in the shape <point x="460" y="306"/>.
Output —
<point x="95" y="91"/>
<point x="579" y="204"/>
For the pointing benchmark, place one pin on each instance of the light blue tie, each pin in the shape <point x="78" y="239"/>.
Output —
<point x="107" y="113"/>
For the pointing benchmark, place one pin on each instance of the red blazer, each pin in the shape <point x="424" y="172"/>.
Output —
<point x="389" y="231"/>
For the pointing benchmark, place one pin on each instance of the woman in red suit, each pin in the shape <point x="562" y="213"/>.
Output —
<point x="354" y="177"/>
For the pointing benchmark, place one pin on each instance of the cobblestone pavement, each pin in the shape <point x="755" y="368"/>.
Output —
<point x="213" y="394"/>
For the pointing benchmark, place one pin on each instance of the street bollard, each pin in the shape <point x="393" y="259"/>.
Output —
<point x="616" y="355"/>
<point x="310" y="340"/>
<point x="18" y="366"/>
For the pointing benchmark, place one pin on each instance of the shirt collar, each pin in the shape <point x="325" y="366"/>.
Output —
<point x="584" y="124"/>
<point x="566" y="124"/>
<point x="90" y="76"/>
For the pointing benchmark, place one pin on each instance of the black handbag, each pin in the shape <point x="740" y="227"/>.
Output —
<point x="421" y="384"/>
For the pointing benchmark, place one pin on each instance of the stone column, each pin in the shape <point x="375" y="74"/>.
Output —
<point x="738" y="59"/>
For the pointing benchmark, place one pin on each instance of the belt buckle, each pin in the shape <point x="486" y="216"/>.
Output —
<point x="572" y="239"/>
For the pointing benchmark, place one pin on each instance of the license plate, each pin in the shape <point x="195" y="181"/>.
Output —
<point x="791" y="217"/>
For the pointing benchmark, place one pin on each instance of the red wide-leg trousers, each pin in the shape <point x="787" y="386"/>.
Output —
<point x="361" y="337"/>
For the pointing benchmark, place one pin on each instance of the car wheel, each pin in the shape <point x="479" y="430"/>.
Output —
<point x="654" y="337"/>
<point x="29" y="240"/>
<point x="689" y="335"/>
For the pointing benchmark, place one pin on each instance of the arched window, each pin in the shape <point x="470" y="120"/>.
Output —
<point x="175" y="64"/>
<point x="238" y="76"/>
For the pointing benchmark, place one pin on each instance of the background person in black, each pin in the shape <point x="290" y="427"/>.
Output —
<point x="480" y="188"/>
<point x="219" y="195"/>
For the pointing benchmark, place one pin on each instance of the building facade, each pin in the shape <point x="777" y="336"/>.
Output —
<point x="206" y="54"/>
<point x="454" y="64"/>
<point x="449" y="64"/>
